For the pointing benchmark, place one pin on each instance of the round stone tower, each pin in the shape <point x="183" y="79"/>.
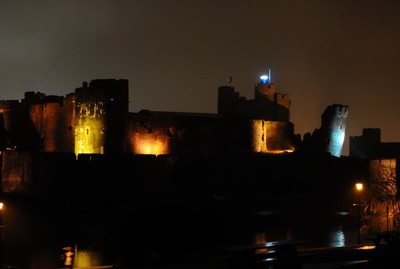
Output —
<point x="333" y="127"/>
<point x="101" y="113"/>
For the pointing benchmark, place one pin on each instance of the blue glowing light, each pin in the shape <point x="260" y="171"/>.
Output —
<point x="264" y="79"/>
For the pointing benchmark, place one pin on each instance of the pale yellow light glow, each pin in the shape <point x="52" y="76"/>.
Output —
<point x="82" y="259"/>
<point x="90" y="129"/>
<point x="270" y="137"/>
<point x="359" y="186"/>
<point x="89" y="138"/>
<point x="1" y="205"/>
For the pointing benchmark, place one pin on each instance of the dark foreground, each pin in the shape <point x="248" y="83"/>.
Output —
<point x="307" y="258"/>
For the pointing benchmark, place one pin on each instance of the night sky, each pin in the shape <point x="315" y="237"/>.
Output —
<point x="177" y="53"/>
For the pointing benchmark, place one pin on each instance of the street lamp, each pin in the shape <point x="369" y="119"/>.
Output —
<point x="359" y="187"/>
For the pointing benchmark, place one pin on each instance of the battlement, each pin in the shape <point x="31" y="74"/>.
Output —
<point x="34" y="97"/>
<point x="8" y="104"/>
<point x="105" y="90"/>
<point x="342" y="110"/>
<point x="284" y="96"/>
<point x="266" y="105"/>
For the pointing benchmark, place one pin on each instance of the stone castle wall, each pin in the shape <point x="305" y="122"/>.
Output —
<point x="53" y="121"/>
<point x="16" y="171"/>
<point x="271" y="136"/>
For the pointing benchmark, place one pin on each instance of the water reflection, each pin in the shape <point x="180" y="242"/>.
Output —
<point x="337" y="237"/>
<point x="318" y="228"/>
<point x="170" y="235"/>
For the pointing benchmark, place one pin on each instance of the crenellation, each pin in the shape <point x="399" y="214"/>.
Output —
<point x="9" y="104"/>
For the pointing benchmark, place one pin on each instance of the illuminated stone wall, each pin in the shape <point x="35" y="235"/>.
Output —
<point x="89" y="128"/>
<point x="150" y="134"/>
<point x="53" y="119"/>
<point x="160" y="133"/>
<point x="168" y="133"/>
<point x="101" y="115"/>
<point x="271" y="136"/>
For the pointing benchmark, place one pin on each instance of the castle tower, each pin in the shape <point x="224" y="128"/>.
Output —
<point x="101" y="114"/>
<point x="9" y="111"/>
<point x="270" y="105"/>
<point x="266" y="105"/>
<point x="52" y="117"/>
<point x="227" y="100"/>
<point x="333" y="128"/>
<point x="264" y="100"/>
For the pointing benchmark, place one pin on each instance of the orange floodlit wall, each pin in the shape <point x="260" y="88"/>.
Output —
<point x="150" y="143"/>
<point x="53" y="121"/>
<point x="150" y="135"/>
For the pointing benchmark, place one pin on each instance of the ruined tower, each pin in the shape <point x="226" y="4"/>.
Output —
<point x="333" y="128"/>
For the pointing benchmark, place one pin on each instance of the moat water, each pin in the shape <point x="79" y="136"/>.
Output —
<point x="335" y="229"/>
<point x="29" y="236"/>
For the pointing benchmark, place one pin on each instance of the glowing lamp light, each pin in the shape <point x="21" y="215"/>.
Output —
<point x="359" y="186"/>
<point x="264" y="79"/>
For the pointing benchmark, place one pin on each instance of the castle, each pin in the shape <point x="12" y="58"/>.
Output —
<point x="87" y="152"/>
<point x="95" y="120"/>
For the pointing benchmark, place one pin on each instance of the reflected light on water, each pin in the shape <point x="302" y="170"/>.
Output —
<point x="82" y="259"/>
<point x="367" y="247"/>
<point x="342" y="213"/>
<point x="260" y="238"/>
<point x="337" y="238"/>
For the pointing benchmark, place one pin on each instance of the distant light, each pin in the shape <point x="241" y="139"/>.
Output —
<point x="1" y="205"/>
<point x="264" y="79"/>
